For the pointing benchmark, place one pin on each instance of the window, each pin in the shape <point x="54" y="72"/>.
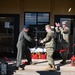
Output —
<point x="37" y="22"/>
<point x="43" y="18"/>
<point x="37" y="18"/>
<point x="30" y="18"/>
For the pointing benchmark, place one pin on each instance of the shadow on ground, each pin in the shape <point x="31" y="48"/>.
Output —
<point x="40" y="62"/>
<point x="48" y="73"/>
<point x="68" y="62"/>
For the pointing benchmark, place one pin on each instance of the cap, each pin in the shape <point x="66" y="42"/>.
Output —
<point x="47" y="26"/>
<point x="64" y="22"/>
<point x="26" y="26"/>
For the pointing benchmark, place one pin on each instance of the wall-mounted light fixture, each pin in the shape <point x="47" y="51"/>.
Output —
<point x="69" y="10"/>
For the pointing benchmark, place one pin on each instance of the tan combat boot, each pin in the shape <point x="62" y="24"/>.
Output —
<point x="48" y="68"/>
<point x="53" y="67"/>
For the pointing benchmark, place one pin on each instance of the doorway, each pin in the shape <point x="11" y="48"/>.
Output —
<point x="9" y="30"/>
<point x="71" y="24"/>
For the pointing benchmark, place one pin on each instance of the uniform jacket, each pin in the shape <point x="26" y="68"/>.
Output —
<point x="49" y="39"/>
<point x="65" y="34"/>
<point x="23" y="39"/>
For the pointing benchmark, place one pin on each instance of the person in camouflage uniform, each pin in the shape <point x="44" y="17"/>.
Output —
<point x="49" y="45"/>
<point x="65" y="40"/>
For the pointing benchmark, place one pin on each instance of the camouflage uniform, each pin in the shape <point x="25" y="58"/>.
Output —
<point x="65" y="41"/>
<point x="49" y="45"/>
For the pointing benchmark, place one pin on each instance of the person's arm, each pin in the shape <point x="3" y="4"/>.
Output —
<point x="66" y="30"/>
<point x="27" y="37"/>
<point x="47" y="38"/>
<point x="57" y="28"/>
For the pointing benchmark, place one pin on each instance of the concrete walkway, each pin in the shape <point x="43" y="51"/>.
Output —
<point x="39" y="68"/>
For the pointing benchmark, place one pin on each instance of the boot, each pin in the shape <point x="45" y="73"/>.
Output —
<point x="53" y="67"/>
<point x="63" y="62"/>
<point x="19" y="68"/>
<point x="48" y="68"/>
<point x="31" y="63"/>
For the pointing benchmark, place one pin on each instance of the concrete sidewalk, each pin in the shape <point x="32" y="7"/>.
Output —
<point x="39" y="68"/>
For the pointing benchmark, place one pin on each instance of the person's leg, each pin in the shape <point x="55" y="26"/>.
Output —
<point x="28" y="55"/>
<point x="19" y="56"/>
<point x="50" y="58"/>
<point x="64" y="56"/>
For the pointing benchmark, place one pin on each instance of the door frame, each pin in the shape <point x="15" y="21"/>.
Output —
<point x="57" y="19"/>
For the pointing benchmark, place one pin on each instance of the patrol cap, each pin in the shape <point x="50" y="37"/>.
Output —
<point x="26" y="26"/>
<point x="64" y="22"/>
<point x="47" y="26"/>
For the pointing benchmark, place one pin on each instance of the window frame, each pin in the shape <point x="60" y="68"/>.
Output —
<point x="37" y="18"/>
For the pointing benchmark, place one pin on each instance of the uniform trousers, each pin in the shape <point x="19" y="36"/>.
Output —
<point x="50" y="56"/>
<point x="23" y="51"/>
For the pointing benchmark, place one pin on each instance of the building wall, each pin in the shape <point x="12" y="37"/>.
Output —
<point x="9" y="6"/>
<point x="55" y="7"/>
<point x="59" y="7"/>
<point x="37" y="5"/>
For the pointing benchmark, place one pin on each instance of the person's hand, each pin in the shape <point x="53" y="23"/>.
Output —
<point x="57" y="24"/>
<point x="36" y="39"/>
<point x="41" y="41"/>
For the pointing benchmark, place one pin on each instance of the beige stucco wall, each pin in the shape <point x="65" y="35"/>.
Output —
<point x="9" y="6"/>
<point x="61" y="8"/>
<point x="37" y="5"/>
<point x="55" y="7"/>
